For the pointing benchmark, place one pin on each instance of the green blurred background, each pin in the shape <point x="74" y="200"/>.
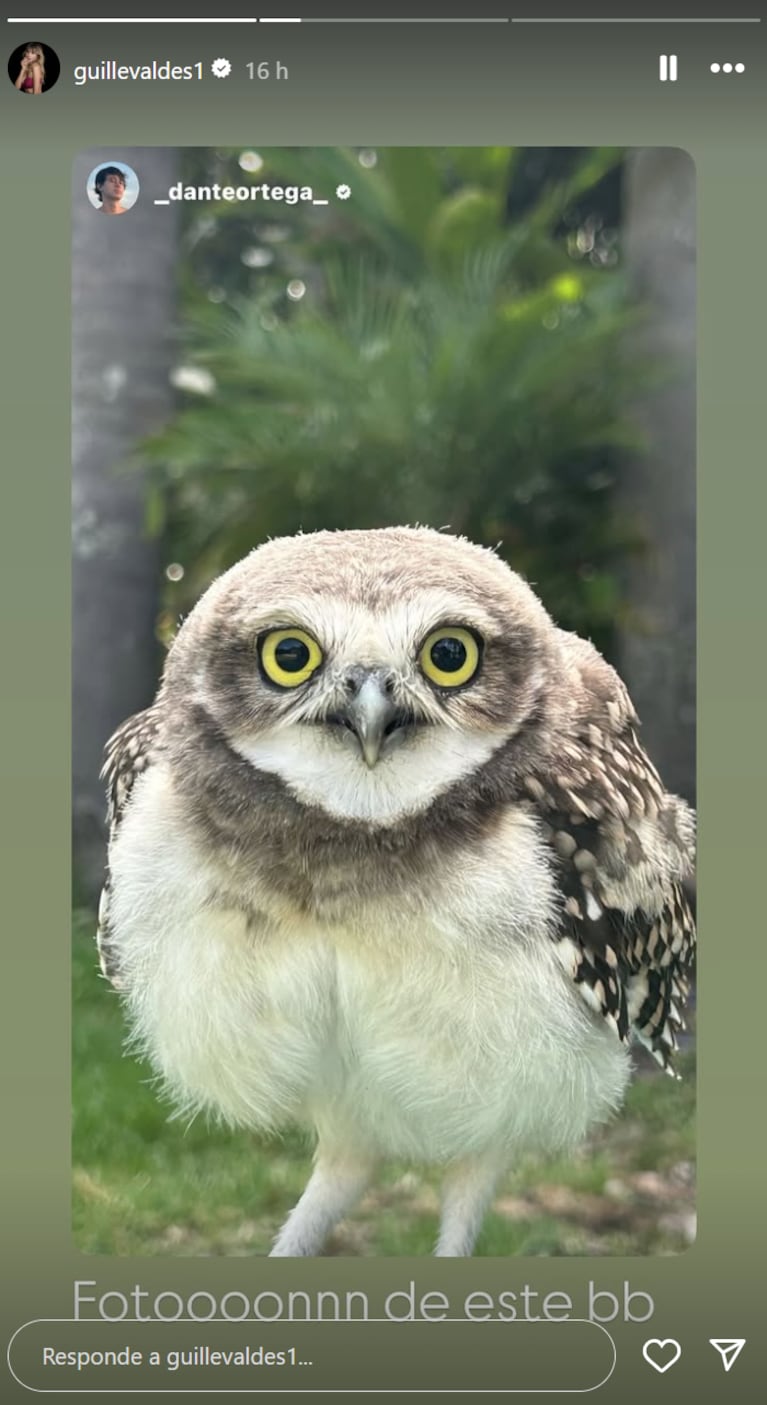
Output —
<point x="498" y="341"/>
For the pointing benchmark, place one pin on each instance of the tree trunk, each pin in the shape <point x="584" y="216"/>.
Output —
<point x="657" y="646"/>
<point x="123" y="295"/>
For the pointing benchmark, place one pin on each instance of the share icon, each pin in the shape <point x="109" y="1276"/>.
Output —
<point x="729" y="1349"/>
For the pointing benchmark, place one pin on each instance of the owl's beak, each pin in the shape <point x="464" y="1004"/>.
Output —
<point x="369" y="714"/>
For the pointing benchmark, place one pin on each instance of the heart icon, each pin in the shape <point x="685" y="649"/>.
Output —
<point x="661" y="1354"/>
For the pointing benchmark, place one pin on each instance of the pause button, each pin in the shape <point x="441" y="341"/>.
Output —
<point x="667" y="68"/>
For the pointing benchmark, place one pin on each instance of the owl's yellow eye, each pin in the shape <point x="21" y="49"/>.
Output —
<point x="450" y="657"/>
<point x="289" y="656"/>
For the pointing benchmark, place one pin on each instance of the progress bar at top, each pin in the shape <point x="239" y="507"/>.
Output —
<point x="384" y="19"/>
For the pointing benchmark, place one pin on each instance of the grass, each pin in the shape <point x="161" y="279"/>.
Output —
<point x="147" y="1185"/>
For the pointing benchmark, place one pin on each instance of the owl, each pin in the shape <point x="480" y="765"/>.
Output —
<point x="387" y="861"/>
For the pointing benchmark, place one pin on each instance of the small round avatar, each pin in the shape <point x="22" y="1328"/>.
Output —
<point x="113" y="188"/>
<point x="33" y="68"/>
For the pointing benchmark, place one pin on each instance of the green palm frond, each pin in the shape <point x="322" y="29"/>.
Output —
<point x="443" y="366"/>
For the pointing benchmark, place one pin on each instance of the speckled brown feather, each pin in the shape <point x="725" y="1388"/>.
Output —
<point x="624" y="852"/>
<point x="127" y="754"/>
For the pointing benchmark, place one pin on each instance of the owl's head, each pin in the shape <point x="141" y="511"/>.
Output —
<point x="368" y="670"/>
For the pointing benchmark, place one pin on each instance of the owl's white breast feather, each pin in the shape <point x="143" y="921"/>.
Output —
<point x="431" y="1025"/>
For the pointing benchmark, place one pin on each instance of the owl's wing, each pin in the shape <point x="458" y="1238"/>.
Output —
<point x="127" y="754"/>
<point x="623" y="850"/>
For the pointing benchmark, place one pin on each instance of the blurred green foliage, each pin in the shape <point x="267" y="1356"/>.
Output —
<point x="416" y="353"/>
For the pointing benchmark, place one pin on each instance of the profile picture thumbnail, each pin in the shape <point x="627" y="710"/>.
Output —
<point x="33" y="68"/>
<point x="113" y="188"/>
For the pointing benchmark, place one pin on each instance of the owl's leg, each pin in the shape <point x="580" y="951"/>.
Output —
<point x="466" y="1193"/>
<point x="335" y="1184"/>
